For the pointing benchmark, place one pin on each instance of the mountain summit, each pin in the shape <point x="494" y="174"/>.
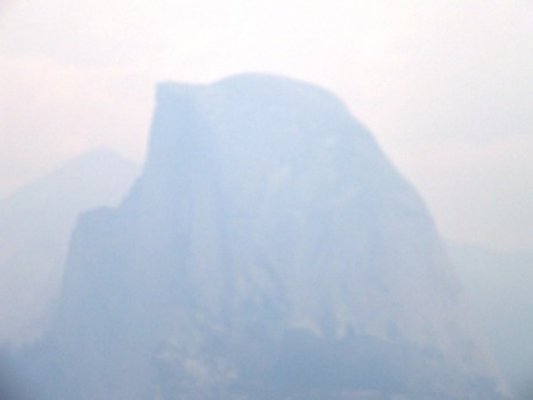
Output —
<point x="268" y="251"/>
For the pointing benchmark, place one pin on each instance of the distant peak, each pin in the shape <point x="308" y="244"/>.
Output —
<point x="251" y="82"/>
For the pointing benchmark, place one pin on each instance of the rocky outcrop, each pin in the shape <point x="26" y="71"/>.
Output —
<point x="268" y="251"/>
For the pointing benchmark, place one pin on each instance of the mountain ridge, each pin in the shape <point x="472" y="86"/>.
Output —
<point x="35" y="225"/>
<point x="268" y="250"/>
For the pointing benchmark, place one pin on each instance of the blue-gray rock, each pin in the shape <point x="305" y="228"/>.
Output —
<point x="269" y="250"/>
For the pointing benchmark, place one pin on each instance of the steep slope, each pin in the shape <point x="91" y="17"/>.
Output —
<point x="268" y="251"/>
<point x="35" y="226"/>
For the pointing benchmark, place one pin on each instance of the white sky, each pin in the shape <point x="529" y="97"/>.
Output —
<point x="445" y="86"/>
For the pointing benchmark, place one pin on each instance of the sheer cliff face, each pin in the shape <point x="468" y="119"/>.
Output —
<point x="269" y="250"/>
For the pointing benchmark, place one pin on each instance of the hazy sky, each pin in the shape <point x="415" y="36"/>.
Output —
<point x="445" y="86"/>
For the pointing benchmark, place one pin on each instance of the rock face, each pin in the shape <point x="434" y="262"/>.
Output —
<point x="35" y="226"/>
<point x="268" y="251"/>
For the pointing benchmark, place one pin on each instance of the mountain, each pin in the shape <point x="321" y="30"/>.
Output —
<point x="268" y="251"/>
<point x="35" y="226"/>
<point x="498" y="285"/>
